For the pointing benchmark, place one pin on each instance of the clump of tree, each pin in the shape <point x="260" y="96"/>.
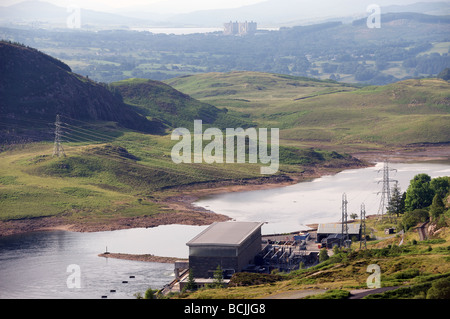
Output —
<point x="425" y="198"/>
<point x="444" y="74"/>
<point x="419" y="194"/>
<point x="149" y="294"/>
<point x="411" y="219"/>
<point x="440" y="289"/>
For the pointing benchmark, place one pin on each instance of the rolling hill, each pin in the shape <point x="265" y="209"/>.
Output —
<point x="36" y="87"/>
<point x="327" y="113"/>
<point x="158" y="100"/>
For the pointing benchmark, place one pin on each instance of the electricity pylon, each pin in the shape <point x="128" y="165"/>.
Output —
<point x="362" y="241"/>
<point x="344" y="230"/>
<point x="386" y="190"/>
<point x="58" y="149"/>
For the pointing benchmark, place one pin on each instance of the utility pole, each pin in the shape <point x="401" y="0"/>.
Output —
<point x="362" y="241"/>
<point x="344" y="230"/>
<point x="58" y="149"/>
<point x="386" y="189"/>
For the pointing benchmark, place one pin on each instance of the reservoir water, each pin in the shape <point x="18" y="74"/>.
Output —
<point x="36" y="265"/>
<point x="291" y="208"/>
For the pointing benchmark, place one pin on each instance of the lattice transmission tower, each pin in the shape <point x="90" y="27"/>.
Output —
<point x="386" y="189"/>
<point x="58" y="149"/>
<point x="344" y="230"/>
<point x="362" y="241"/>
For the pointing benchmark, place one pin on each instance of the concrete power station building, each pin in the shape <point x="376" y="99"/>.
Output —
<point x="239" y="28"/>
<point x="231" y="245"/>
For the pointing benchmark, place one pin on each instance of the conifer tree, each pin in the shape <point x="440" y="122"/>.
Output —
<point x="396" y="203"/>
<point x="218" y="277"/>
<point x="437" y="207"/>
<point x="191" y="285"/>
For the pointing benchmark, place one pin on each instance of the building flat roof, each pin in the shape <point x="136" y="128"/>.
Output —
<point x="353" y="228"/>
<point x="225" y="234"/>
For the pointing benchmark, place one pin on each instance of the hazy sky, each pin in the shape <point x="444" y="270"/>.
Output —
<point x="161" y="5"/>
<point x="177" y="6"/>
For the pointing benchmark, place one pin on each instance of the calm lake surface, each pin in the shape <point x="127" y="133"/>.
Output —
<point x="35" y="265"/>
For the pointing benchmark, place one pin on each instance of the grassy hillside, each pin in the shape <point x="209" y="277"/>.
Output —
<point x="155" y="99"/>
<point x="130" y="176"/>
<point x="96" y="179"/>
<point x="312" y="112"/>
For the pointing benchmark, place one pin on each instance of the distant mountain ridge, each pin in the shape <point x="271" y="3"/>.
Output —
<point x="266" y="13"/>
<point x="41" y="12"/>
<point x="418" y="17"/>
<point x="291" y="13"/>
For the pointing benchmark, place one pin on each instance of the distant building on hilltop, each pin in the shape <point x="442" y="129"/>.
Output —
<point x="239" y="28"/>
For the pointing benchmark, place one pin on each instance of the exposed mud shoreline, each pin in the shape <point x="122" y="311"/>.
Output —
<point x="182" y="210"/>
<point x="180" y="207"/>
<point x="415" y="153"/>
